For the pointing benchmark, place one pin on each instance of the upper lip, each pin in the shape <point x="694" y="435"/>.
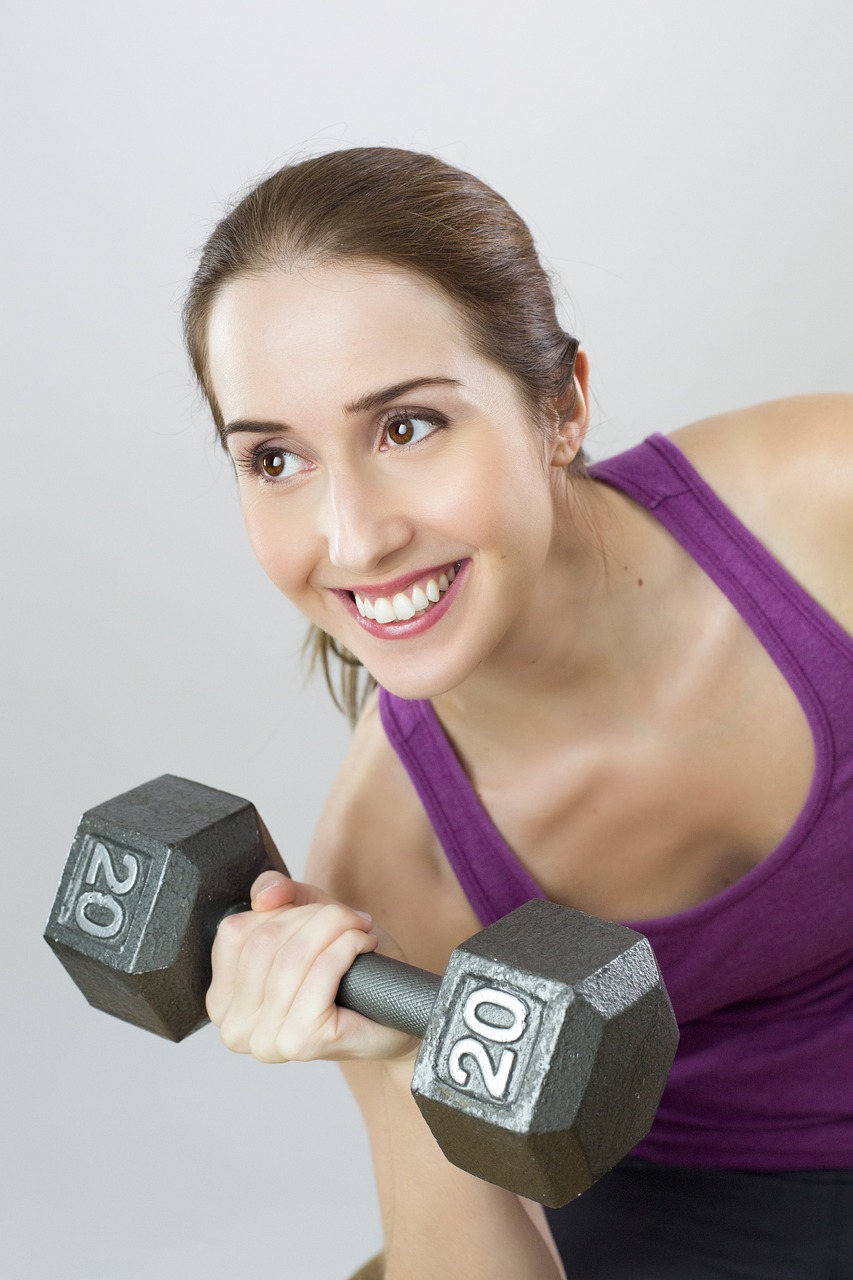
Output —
<point x="393" y="585"/>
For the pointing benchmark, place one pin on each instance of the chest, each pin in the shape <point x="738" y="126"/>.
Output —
<point x="663" y="795"/>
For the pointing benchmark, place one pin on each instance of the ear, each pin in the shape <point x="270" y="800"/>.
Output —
<point x="572" y="416"/>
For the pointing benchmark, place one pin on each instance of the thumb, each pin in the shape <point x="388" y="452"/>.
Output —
<point x="272" y="890"/>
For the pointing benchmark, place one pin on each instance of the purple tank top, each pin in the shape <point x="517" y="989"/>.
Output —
<point x="760" y="976"/>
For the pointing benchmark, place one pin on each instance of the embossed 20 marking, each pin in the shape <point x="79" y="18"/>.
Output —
<point x="98" y="913"/>
<point x="494" y="1075"/>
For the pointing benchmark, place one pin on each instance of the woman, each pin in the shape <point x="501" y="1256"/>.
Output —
<point x="643" y="670"/>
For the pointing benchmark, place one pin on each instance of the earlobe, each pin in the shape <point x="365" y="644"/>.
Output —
<point x="563" y="451"/>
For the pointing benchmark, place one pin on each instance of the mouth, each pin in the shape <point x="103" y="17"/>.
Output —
<point x="407" y="606"/>
<point x="401" y="606"/>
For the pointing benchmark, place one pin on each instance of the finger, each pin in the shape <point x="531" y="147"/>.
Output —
<point x="276" y="961"/>
<point x="290" y="939"/>
<point x="272" y="889"/>
<point x="301" y="1022"/>
<point x="306" y="955"/>
<point x="249" y="946"/>
<point x="229" y="954"/>
<point x="227" y="946"/>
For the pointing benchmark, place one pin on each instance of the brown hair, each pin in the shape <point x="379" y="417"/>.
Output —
<point x="414" y="212"/>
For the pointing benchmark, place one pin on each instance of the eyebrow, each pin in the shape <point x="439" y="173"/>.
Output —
<point x="373" y="400"/>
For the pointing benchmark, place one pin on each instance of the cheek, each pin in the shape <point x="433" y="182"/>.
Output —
<point x="278" y="548"/>
<point x="491" y="494"/>
<point x="513" y="498"/>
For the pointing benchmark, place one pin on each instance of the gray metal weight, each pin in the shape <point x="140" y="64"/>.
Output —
<point x="149" y="877"/>
<point x="546" y="1046"/>
<point x="547" y="1051"/>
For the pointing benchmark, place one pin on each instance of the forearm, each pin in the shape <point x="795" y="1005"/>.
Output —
<point x="437" y="1220"/>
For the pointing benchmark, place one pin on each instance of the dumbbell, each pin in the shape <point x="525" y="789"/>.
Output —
<point x="545" y="1046"/>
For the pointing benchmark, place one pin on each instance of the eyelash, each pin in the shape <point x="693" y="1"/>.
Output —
<point x="250" y="464"/>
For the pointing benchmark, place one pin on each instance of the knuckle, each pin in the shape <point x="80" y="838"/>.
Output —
<point x="231" y="1036"/>
<point x="231" y="928"/>
<point x="264" y="1049"/>
<point x="292" y="1048"/>
<point x="262" y="942"/>
<point x="211" y="1005"/>
<point x="336" y="917"/>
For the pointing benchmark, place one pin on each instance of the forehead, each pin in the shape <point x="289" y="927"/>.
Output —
<point x="327" y="333"/>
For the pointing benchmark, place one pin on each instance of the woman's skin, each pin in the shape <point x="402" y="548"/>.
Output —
<point x="624" y="728"/>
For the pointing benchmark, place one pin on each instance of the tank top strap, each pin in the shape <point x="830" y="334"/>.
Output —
<point x="786" y="619"/>
<point x="492" y="878"/>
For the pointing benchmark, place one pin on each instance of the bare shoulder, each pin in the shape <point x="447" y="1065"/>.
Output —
<point x="813" y="430"/>
<point x="802" y="445"/>
<point x="786" y="469"/>
<point x="375" y="849"/>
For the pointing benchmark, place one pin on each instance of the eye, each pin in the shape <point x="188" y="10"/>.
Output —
<point x="411" y="428"/>
<point x="270" y="464"/>
<point x="273" y="464"/>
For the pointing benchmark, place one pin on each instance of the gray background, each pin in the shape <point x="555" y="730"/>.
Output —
<point x="685" y="168"/>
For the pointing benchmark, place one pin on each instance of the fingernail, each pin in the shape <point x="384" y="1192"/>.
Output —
<point x="267" y="881"/>
<point x="365" y="917"/>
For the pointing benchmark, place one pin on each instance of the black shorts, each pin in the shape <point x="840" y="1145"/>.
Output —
<point x="650" y="1221"/>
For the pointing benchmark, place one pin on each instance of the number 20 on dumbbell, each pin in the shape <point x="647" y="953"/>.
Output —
<point x="97" y="893"/>
<point x="503" y="1031"/>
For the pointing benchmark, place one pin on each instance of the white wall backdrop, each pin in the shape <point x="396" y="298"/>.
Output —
<point x="687" y="169"/>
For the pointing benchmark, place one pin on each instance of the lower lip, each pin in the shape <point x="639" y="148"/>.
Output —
<point x="421" y="621"/>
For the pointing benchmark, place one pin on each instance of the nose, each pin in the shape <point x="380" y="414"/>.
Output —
<point x="365" y="523"/>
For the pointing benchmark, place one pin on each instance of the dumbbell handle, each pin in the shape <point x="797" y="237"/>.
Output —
<point x="389" y="992"/>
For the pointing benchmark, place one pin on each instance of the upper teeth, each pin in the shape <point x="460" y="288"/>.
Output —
<point x="405" y="604"/>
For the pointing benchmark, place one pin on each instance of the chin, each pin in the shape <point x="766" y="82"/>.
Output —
<point x="416" y="681"/>
<point x="414" y="690"/>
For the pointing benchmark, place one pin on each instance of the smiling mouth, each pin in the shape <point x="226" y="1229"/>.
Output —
<point x="402" y="606"/>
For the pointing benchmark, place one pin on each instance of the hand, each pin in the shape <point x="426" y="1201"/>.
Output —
<point x="276" y="971"/>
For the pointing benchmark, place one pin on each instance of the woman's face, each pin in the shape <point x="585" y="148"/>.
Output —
<point x="391" y="483"/>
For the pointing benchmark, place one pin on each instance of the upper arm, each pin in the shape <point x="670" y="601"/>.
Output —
<point x="786" y="470"/>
